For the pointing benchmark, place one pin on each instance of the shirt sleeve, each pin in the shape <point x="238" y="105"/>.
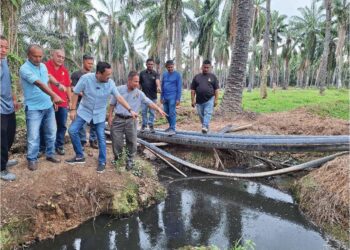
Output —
<point x="68" y="81"/>
<point x="81" y="85"/>
<point x="194" y="84"/>
<point x="27" y="75"/>
<point x="179" y="87"/>
<point x="162" y="87"/>
<point x="114" y="91"/>
<point x="113" y="101"/>
<point x="74" y="79"/>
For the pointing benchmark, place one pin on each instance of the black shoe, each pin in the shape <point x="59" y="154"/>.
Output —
<point x="204" y="130"/>
<point x="32" y="165"/>
<point x="151" y="129"/>
<point x="143" y="128"/>
<point x="101" y="168"/>
<point x="94" y="144"/>
<point x="60" y="151"/>
<point x="53" y="159"/>
<point x="76" y="160"/>
<point x="130" y="165"/>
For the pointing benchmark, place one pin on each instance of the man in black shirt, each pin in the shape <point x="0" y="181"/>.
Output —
<point x="88" y="63"/>
<point x="150" y="85"/>
<point x="204" y="94"/>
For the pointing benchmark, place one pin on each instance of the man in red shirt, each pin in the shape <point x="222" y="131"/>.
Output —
<point x="60" y="84"/>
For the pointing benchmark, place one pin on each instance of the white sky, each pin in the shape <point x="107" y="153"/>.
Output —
<point x="289" y="7"/>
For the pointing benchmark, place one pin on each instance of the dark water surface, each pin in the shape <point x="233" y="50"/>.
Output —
<point x="202" y="211"/>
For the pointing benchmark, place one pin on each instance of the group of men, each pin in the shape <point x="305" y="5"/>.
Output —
<point x="50" y="94"/>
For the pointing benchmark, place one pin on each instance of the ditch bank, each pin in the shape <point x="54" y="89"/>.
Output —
<point x="57" y="198"/>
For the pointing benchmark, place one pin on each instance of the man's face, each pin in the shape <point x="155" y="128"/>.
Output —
<point x="104" y="77"/>
<point x="35" y="56"/>
<point x="134" y="82"/>
<point x="170" y="68"/>
<point x="206" y="68"/>
<point x="88" y="64"/>
<point x="58" y="57"/>
<point x="3" y="48"/>
<point x="150" y="65"/>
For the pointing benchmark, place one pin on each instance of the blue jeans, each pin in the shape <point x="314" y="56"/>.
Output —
<point x="73" y="131"/>
<point x="145" y="110"/>
<point x="61" y="119"/>
<point x="82" y="133"/>
<point x="205" y="110"/>
<point x="34" y="120"/>
<point x="169" y="106"/>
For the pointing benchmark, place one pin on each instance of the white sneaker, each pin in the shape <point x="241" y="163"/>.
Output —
<point x="204" y="130"/>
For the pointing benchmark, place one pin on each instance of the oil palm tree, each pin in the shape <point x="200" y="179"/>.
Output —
<point x="232" y="100"/>
<point x="341" y="10"/>
<point x="322" y="71"/>
<point x="265" y="53"/>
<point x="307" y="27"/>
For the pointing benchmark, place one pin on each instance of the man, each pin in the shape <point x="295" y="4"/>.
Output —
<point x="123" y="123"/>
<point x="96" y="88"/>
<point x="171" y="95"/>
<point x="150" y="85"/>
<point x="204" y="94"/>
<point x="88" y="63"/>
<point x="61" y="86"/>
<point x="39" y="109"/>
<point x="8" y="106"/>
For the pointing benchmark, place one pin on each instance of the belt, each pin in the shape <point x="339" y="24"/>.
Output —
<point x="123" y="116"/>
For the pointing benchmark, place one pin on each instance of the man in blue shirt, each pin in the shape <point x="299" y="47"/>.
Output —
<point x="39" y="110"/>
<point x="97" y="88"/>
<point x="171" y="95"/>
<point x="123" y="124"/>
<point x="8" y="106"/>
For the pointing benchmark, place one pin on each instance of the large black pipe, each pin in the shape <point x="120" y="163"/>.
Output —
<point x="255" y="143"/>
<point x="255" y="136"/>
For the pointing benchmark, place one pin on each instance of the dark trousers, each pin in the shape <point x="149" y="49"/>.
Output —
<point x="61" y="120"/>
<point x="8" y="130"/>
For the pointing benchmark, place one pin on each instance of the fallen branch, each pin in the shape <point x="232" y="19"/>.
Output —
<point x="218" y="160"/>
<point x="239" y="128"/>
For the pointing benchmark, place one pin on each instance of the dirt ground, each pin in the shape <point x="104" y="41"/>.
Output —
<point x="55" y="198"/>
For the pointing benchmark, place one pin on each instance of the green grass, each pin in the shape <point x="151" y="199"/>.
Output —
<point x="334" y="103"/>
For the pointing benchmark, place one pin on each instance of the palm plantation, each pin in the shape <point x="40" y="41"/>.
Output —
<point x="282" y="52"/>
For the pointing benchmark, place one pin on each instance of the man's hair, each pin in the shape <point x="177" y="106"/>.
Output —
<point x="132" y="74"/>
<point x="169" y="62"/>
<point x="206" y="62"/>
<point x="3" y="37"/>
<point x="149" y="60"/>
<point x="33" y="46"/>
<point x="87" y="57"/>
<point x="55" y="50"/>
<point x="102" y="66"/>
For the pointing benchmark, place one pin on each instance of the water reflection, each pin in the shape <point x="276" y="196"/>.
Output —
<point x="202" y="212"/>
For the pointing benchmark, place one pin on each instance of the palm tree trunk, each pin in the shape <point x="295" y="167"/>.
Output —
<point x="322" y="73"/>
<point x="265" y="52"/>
<point x="286" y="74"/>
<point x="252" y="67"/>
<point x="232" y="100"/>
<point x="339" y="56"/>
<point x="274" y="66"/>
<point x="178" y="38"/>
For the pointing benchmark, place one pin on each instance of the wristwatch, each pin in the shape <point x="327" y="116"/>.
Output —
<point x="129" y="109"/>
<point x="57" y="84"/>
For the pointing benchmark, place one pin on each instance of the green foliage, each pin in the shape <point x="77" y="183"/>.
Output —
<point x="126" y="202"/>
<point x="11" y="233"/>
